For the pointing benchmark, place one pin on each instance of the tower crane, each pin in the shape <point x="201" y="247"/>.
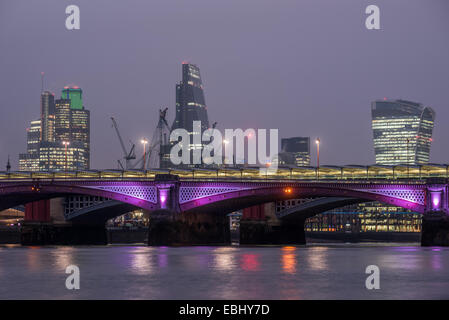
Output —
<point x="159" y="139"/>
<point x="128" y="156"/>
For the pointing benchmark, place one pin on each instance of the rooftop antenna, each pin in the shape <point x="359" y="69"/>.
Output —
<point x="42" y="81"/>
<point x="8" y="165"/>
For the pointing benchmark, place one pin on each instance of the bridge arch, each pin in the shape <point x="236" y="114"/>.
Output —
<point x="235" y="200"/>
<point x="14" y="195"/>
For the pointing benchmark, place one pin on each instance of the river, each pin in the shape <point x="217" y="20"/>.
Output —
<point x="302" y="272"/>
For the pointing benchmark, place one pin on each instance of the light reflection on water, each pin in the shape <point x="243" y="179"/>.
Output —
<point x="289" y="259"/>
<point x="289" y="272"/>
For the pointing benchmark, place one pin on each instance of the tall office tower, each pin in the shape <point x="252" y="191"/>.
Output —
<point x="47" y="116"/>
<point x="29" y="161"/>
<point x="402" y="132"/>
<point x="295" y="151"/>
<point x="72" y="121"/>
<point x="80" y="132"/>
<point x="190" y="102"/>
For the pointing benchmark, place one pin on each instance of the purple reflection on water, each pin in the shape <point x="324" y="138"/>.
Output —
<point x="436" y="259"/>
<point x="204" y="259"/>
<point x="162" y="260"/>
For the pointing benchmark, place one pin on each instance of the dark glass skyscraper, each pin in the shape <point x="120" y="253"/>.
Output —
<point x="402" y="132"/>
<point x="190" y="102"/>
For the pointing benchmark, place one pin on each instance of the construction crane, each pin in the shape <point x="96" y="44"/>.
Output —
<point x="153" y="156"/>
<point x="128" y="156"/>
<point x="159" y="140"/>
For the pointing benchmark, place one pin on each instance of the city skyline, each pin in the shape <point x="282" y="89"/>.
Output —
<point x="60" y="139"/>
<point x="276" y="71"/>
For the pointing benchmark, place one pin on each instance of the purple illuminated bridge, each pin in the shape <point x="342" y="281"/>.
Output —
<point x="197" y="195"/>
<point x="167" y="195"/>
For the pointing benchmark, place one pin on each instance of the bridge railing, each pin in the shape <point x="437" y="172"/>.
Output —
<point x="326" y="173"/>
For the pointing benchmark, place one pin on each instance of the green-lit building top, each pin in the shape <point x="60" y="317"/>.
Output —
<point x="75" y="95"/>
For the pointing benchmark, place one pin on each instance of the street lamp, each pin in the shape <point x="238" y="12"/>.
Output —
<point x="408" y="159"/>
<point x="226" y="142"/>
<point x="66" y="144"/>
<point x="144" y="142"/>
<point x="317" y="141"/>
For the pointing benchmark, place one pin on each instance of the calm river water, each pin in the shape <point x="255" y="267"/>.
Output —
<point x="303" y="272"/>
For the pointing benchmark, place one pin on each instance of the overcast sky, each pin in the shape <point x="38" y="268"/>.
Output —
<point x="306" y="67"/>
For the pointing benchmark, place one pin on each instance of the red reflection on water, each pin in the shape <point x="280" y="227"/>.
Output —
<point x="250" y="262"/>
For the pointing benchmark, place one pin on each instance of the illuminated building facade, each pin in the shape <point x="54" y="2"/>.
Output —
<point x="54" y="156"/>
<point x="370" y="217"/>
<point x="29" y="161"/>
<point x="33" y="136"/>
<point x="62" y="125"/>
<point x="190" y="103"/>
<point x="402" y="132"/>
<point x="295" y="151"/>
<point x="73" y="125"/>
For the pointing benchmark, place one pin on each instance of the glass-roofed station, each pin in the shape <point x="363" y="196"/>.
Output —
<point x="323" y="173"/>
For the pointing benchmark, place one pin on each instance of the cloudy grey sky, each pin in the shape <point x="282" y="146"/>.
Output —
<point x="307" y="67"/>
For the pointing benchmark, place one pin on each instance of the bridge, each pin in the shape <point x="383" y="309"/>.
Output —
<point x="189" y="206"/>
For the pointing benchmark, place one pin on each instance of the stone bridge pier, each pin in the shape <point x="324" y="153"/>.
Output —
<point x="169" y="226"/>
<point x="45" y="224"/>
<point x="435" y="221"/>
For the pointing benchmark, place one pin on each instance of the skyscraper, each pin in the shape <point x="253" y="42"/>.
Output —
<point x="402" y="132"/>
<point x="295" y="151"/>
<point x="73" y="124"/>
<point x="190" y="102"/>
